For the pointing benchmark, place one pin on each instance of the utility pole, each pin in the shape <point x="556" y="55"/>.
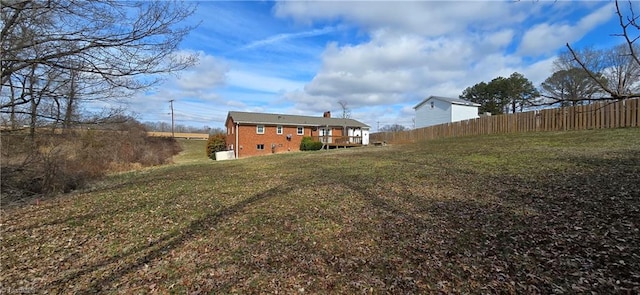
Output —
<point x="172" y="121"/>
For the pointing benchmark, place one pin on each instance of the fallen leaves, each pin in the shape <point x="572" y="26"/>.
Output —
<point x="561" y="218"/>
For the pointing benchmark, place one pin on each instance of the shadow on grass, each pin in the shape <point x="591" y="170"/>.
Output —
<point x="157" y="249"/>
<point x="566" y="231"/>
<point x="95" y="211"/>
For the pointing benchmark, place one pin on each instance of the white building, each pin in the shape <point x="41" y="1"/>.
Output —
<point x="436" y="110"/>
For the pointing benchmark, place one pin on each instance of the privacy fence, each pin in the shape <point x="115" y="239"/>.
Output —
<point x="600" y="115"/>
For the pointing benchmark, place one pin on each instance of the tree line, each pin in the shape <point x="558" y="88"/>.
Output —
<point x="580" y="76"/>
<point x="58" y="55"/>
<point x="160" y="126"/>
<point x="609" y="74"/>
<point x="55" y="57"/>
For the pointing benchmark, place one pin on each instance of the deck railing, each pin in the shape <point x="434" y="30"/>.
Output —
<point x="347" y="140"/>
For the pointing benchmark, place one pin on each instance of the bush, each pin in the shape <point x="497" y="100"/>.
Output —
<point x="216" y="143"/>
<point x="50" y="163"/>
<point x="308" y="144"/>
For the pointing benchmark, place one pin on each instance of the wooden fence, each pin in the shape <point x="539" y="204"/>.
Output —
<point x="600" y="115"/>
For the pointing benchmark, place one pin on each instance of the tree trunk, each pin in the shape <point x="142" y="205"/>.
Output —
<point x="34" y="103"/>
<point x="70" y="101"/>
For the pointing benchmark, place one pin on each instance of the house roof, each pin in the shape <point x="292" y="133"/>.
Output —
<point x="451" y="100"/>
<point x="282" y="119"/>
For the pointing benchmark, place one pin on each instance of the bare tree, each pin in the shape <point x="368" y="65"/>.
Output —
<point x="86" y="49"/>
<point x="620" y="65"/>
<point x="393" y="128"/>
<point x="346" y="112"/>
<point x="571" y="86"/>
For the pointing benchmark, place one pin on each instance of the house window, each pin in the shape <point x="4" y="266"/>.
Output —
<point x="260" y="129"/>
<point x="432" y="105"/>
<point x="300" y="130"/>
<point x="279" y="129"/>
<point x="260" y="146"/>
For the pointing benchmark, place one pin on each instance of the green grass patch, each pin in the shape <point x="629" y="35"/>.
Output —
<point x="528" y="213"/>
<point x="193" y="151"/>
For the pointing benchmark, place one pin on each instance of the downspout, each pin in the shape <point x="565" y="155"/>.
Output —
<point x="237" y="147"/>
<point x="327" y="135"/>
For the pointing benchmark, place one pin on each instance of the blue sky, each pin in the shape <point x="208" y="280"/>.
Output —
<point x="380" y="57"/>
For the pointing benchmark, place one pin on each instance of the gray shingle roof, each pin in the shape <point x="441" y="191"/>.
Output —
<point x="448" y="99"/>
<point x="282" y="119"/>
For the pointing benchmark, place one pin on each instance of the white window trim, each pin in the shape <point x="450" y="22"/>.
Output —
<point x="279" y="129"/>
<point x="298" y="130"/>
<point x="258" y="129"/>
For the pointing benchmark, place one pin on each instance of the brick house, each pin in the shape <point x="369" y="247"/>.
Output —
<point x="253" y="134"/>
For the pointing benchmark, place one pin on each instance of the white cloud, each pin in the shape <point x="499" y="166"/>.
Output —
<point x="425" y="18"/>
<point x="392" y="69"/>
<point x="288" y="36"/>
<point x="207" y="74"/>
<point x="497" y="40"/>
<point x="306" y="103"/>
<point x="194" y="92"/>
<point x="256" y="81"/>
<point x="539" y="71"/>
<point x="545" y="38"/>
<point x="404" y="51"/>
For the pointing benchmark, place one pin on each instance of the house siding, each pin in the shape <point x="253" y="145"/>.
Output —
<point x="439" y="114"/>
<point x="462" y="112"/>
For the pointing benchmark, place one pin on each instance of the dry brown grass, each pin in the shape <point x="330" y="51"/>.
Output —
<point x="52" y="163"/>
<point x="536" y="213"/>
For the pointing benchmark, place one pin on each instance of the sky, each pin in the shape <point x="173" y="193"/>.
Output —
<point x="380" y="57"/>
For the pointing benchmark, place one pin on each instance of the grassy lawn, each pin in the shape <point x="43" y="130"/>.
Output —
<point x="194" y="151"/>
<point x="529" y="213"/>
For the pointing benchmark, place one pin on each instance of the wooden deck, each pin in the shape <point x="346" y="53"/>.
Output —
<point x="333" y="142"/>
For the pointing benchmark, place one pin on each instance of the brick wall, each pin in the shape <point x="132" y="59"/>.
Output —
<point x="270" y="141"/>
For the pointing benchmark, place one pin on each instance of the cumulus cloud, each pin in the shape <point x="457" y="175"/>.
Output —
<point x="391" y="68"/>
<point x="417" y="49"/>
<point x="194" y="92"/>
<point x="304" y="102"/>
<point x="425" y="18"/>
<point x="547" y="37"/>
<point x="404" y="52"/>
<point x="207" y="74"/>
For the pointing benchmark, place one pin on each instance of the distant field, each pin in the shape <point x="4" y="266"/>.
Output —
<point x="528" y="213"/>
<point x="203" y="136"/>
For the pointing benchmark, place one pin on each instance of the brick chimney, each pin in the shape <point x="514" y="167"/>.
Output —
<point x="327" y="114"/>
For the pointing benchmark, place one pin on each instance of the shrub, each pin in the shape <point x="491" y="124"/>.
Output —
<point x="216" y="143"/>
<point x="308" y="144"/>
<point x="50" y="163"/>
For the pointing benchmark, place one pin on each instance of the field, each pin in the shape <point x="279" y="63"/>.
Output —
<point x="521" y="213"/>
